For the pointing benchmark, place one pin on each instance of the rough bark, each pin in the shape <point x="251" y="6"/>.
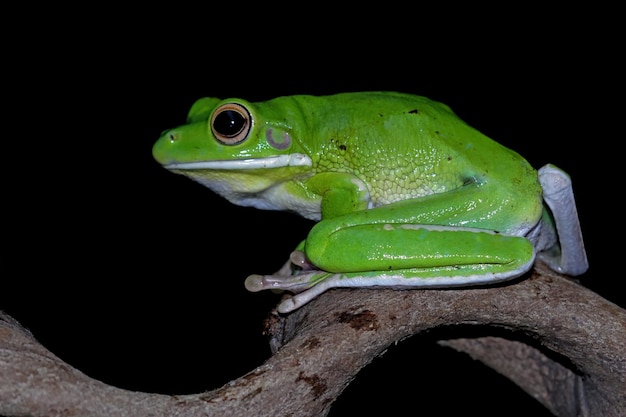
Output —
<point x="568" y="352"/>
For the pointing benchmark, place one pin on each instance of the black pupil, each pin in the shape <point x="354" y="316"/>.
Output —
<point x="229" y="123"/>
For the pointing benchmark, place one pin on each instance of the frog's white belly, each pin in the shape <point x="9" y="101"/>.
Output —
<point x="275" y="198"/>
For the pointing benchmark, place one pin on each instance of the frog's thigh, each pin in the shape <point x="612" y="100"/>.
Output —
<point x="422" y="250"/>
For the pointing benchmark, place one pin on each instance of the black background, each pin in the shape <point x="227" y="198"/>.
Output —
<point x="135" y="275"/>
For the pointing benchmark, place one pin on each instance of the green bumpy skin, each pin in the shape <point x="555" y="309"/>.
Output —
<point x="405" y="193"/>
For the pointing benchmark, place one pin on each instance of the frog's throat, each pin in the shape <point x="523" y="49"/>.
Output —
<point x="296" y="159"/>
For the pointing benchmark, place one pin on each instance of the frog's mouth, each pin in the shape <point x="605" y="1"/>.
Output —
<point x="278" y="161"/>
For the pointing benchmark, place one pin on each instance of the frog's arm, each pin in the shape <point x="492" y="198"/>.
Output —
<point x="342" y="193"/>
<point x="569" y="256"/>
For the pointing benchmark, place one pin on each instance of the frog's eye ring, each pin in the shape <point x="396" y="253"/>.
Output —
<point x="231" y="123"/>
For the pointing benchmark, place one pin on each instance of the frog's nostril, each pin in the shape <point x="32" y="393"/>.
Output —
<point x="173" y="136"/>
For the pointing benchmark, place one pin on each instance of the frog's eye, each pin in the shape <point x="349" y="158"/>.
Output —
<point x="231" y="123"/>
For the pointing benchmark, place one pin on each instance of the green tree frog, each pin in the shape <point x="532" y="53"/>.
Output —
<point x="404" y="193"/>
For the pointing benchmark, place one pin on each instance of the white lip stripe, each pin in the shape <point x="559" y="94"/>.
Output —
<point x="268" y="162"/>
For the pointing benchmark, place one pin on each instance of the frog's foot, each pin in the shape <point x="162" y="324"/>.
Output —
<point x="298" y="275"/>
<point x="306" y="286"/>
<point x="571" y="257"/>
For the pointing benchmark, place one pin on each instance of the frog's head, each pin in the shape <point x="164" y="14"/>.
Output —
<point x="236" y="148"/>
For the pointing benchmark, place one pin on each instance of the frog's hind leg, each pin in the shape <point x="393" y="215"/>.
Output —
<point x="569" y="256"/>
<point x="307" y="285"/>
<point x="415" y="256"/>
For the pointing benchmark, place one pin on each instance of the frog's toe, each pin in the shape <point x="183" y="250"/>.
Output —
<point x="292" y="283"/>
<point x="298" y="259"/>
<point x="293" y="303"/>
<point x="290" y="304"/>
<point x="255" y="283"/>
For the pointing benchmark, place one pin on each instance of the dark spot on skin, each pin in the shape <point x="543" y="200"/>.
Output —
<point x="341" y="147"/>
<point x="436" y="132"/>
<point x="317" y="385"/>
<point x="365" y="320"/>
<point x="414" y="111"/>
<point x="449" y="158"/>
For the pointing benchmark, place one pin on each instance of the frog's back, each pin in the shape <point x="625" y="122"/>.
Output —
<point x="401" y="145"/>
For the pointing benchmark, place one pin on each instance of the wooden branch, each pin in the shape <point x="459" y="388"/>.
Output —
<point x="567" y="349"/>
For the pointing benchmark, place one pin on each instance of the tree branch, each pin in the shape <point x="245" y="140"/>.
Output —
<point x="568" y="353"/>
